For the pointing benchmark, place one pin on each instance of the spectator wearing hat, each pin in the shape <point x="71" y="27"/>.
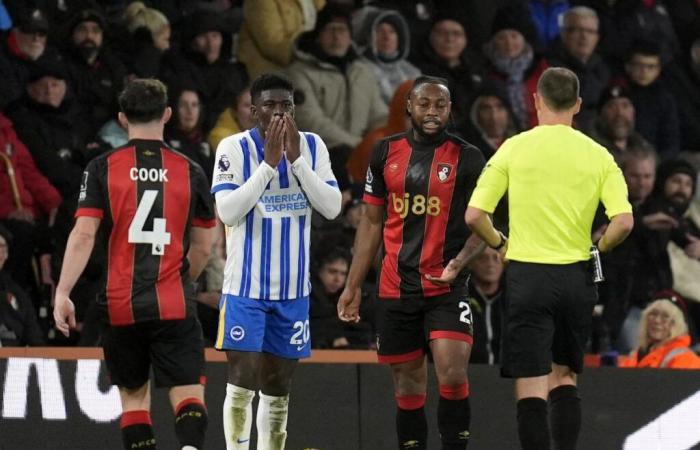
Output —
<point x="383" y="38"/>
<point x="577" y="51"/>
<point x="446" y="54"/>
<point x="342" y="99"/>
<point x="513" y="62"/>
<point x="664" y="224"/>
<point x="28" y="205"/>
<point x="614" y="127"/>
<point x="94" y="72"/>
<point x="656" y="110"/>
<point x="21" y="47"/>
<point x="18" y="320"/>
<point x="204" y="61"/>
<point x="664" y="341"/>
<point x="270" y="28"/>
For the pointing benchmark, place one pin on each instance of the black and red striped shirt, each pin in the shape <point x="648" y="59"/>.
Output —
<point x="148" y="197"/>
<point x="425" y="187"/>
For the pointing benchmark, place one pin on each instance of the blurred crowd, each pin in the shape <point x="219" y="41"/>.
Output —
<point x="63" y="62"/>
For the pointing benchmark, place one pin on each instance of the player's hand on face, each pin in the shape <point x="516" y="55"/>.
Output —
<point x="64" y="314"/>
<point x="349" y="305"/>
<point x="291" y="139"/>
<point x="449" y="273"/>
<point x="274" y="140"/>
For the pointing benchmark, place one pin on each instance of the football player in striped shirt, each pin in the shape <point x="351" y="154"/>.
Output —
<point x="267" y="181"/>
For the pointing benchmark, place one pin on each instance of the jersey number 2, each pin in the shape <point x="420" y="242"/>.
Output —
<point x="158" y="237"/>
<point x="466" y="315"/>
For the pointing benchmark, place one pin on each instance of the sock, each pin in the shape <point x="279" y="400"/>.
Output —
<point x="238" y="417"/>
<point x="565" y="416"/>
<point x="411" y="426"/>
<point x="191" y="422"/>
<point x="137" y="432"/>
<point x="533" y="428"/>
<point x="271" y="422"/>
<point x="454" y="415"/>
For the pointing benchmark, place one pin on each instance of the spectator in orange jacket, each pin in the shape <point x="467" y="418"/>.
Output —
<point x="664" y="341"/>
<point x="397" y="122"/>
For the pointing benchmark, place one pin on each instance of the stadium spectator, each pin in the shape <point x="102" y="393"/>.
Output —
<point x="149" y="38"/>
<point x="94" y="72"/>
<point x="513" y="62"/>
<point x="614" y="128"/>
<point x="18" y="321"/>
<point x="624" y="21"/>
<point x="209" y="287"/>
<point x="425" y="249"/>
<point x="397" y="121"/>
<point x="656" y="114"/>
<point x="384" y="39"/>
<point x="184" y="130"/>
<point x="341" y="112"/>
<point x="24" y="44"/>
<point x="488" y="306"/>
<point x="234" y="119"/>
<point x="204" y="62"/>
<point x="270" y="28"/>
<point x="491" y="120"/>
<point x="446" y="54"/>
<point x="264" y="325"/>
<point x="663" y="221"/>
<point x="328" y="282"/>
<point x="664" y="342"/>
<point x="143" y="328"/>
<point x="28" y="205"/>
<point x="547" y="17"/>
<point x="577" y="51"/>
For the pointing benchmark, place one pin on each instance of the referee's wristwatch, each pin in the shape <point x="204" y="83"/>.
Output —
<point x="504" y="239"/>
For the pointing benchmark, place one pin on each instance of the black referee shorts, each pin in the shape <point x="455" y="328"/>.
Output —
<point x="174" y="348"/>
<point x="548" y="317"/>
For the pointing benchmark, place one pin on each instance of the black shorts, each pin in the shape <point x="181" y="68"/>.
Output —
<point x="548" y="317"/>
<point x="174" y="348"/>
<point x="406" y="326"/>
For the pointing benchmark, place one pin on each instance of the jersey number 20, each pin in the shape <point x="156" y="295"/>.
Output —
<point x="158" y="237"/>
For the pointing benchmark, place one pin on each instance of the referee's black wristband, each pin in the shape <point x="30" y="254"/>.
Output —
<point x="504" y="239"/>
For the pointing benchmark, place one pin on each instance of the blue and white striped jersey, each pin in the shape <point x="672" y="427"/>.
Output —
<point x="267" y="243"/>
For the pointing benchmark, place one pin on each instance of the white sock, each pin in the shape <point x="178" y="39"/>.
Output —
<point x="272" y="422"/>
<point x="238" y="417"/>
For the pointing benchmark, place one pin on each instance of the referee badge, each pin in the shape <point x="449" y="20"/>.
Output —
<point x="444" y="171"/>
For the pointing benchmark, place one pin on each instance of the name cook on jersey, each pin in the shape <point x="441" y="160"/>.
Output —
<point x="143" y="174"/>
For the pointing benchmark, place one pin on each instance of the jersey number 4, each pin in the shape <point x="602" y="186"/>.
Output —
<point x="158" y="237"/>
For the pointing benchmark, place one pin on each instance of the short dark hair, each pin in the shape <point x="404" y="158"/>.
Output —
<point x="143" y="100"/>
<point x="643" y="47"/>
<point x="427" y="79"/>
<point x="559" y="88"/>
<point x="266" y="82"/>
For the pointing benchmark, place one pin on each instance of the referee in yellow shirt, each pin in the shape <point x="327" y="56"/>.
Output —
<point x="555" y="177"/>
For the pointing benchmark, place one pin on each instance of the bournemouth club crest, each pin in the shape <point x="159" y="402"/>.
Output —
<point x="444" y="171"/>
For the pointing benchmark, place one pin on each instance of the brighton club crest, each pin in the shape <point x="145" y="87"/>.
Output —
<point x="444" y="171"/>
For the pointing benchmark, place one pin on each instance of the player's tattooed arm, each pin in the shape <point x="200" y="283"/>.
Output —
<point x="473" y="247"/>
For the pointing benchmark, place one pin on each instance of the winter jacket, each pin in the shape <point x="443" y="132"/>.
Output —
<point x="35" y="192"/>
<point x="674" y="354"/>
<point x="390" y="73"/>
<point x="547" y="15"/>
<point x="656" y="118"/>
<point x="269" y="29"/>
<point x="340" y="105"/>
<point x="18" y="320"/>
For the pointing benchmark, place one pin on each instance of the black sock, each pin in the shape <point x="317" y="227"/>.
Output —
<point x="191" y="422"/>
<point x="565" y="416"/>
<point x="412" y="429"/>
<point x="453" y="422"/>
<point x="533" y="428"/>
<point x="137" y="432"/>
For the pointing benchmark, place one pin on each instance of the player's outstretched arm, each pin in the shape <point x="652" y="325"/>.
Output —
<point x="473" y="247"/>
<point x="78" y="249"/>
<point x="367" y="241"/>
<point x="201" y="241"/>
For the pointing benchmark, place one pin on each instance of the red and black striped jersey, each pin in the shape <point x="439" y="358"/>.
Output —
<point x="425" y="187"/>
<point x="148" y="197"/>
